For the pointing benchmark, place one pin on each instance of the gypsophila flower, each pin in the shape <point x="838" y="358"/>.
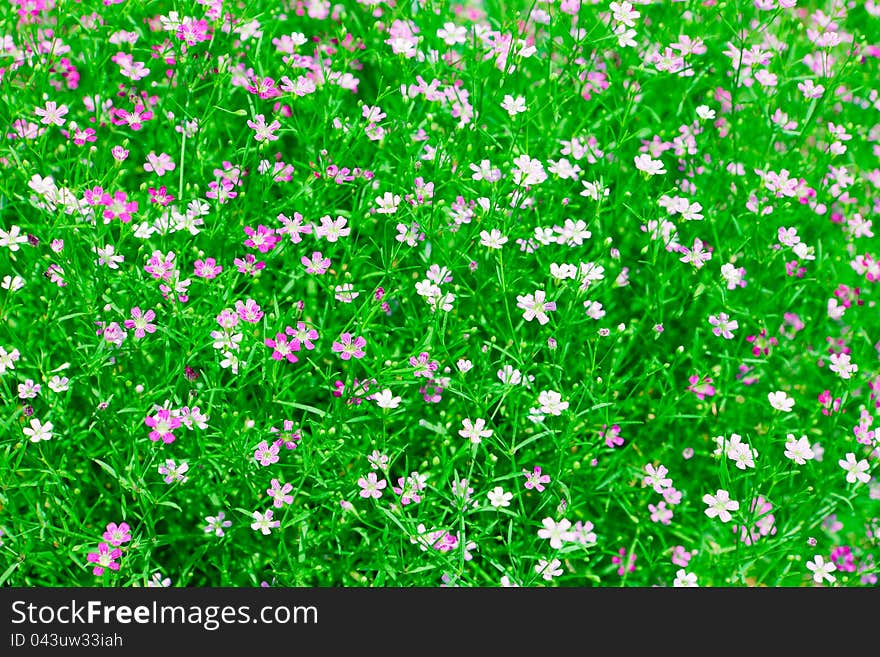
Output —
<point x="798" y="450"/>
<point x="173" y="472"/>
<point x="551" y="402"/>
<point x="38" y="431"/>
<point x="723" y="326"/>
<point x="780" y="401"/>
<point x="105" y="557"/>
<point x="556" y="532"/>
<point x="217" y="524"/>
<point x="536" y="306"/>
<point x="474" y="431"/>
<point x="116" y="535"/>
<point x="264" y="522"/>
<point x="856" y="471"/>
<point x="535" y="479"/>
<point x="822" y="569"/>
<point x="720" y="505"/>
<point x="548" y="569"/>
<point x="684" y="579"/>
<point x="371" y="485"/>
<point x="499" y="498"/>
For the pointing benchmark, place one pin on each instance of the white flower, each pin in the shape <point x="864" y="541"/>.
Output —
<point x="594" y="190"/>
<point x="842" y="365"/>
<point x="493" y="239"/>
<point x="386" y="399"/>
<point x="12" y="238"/>
<point x="742" y="455"/>
<point x="387" y="203"/>
<point x="854" y="471"/>
<point x="536" y="306"/>
<point x="264" y="522"/>
<point x="649" y="165"/>
<point x="720" y="505"/>
<point x="12" y="283"/>
<point x="551" y="402"/>
<point x="464" y="365"/>
<point x="563" y="271"/>
<point x="474" y="431"/>
<point x="556" y="532"/>
<point x="705" y="112"/>
<point x="548" y="569"/>
<point x="821" y="570"/>
<point x="514" y="106"/>
<point x="37" y="431"/>
<point x="684" y="579"/>
<point x="624" y="13"/>
<point x="780" y="401"/>
<point x="498" y="497"/>
<point x="798" y="450"/>
<point x="528" y="171"/>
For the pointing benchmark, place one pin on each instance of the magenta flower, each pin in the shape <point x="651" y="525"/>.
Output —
<point x="347" y="347"/>
<point x="623" y="562"/>
<point x="104" y="558"/>
<point x="118" y="206"/>
<point x="282" y="348"/>
<point x="264" y="239"/>
<point x="761" y="343"/>
<point x="612" y="435"/>
<point x="701" y="388"/>
<point x="163" y="423"/>
<point x="248" y="264"/>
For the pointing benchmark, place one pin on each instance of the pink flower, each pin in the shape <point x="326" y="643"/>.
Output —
<point x="624" y="562"/>
<point x="117" y="534"/>
<point x="612" y="435"/>
<point x="282" y="348"/>
<point x="263" y="131"/>
<point x="680" y="556"/>
<point x="279" y="493"/>
<point x="317" y="264"/>
<point x="104" y="558"/>
<point x="140" y="322"/>
<point x="535" y="479"/>
<point x="302" y="336"/>
<point x="267" y="454"/>
<point x="249" y="311"/>
<point x="207" y="268"/>
<point x="423" y="365"/>
<point x="701" y="389"/>
<point x="371" y="485"/>
<point x="159" y="164"/>
<point x="347" y="347"/>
